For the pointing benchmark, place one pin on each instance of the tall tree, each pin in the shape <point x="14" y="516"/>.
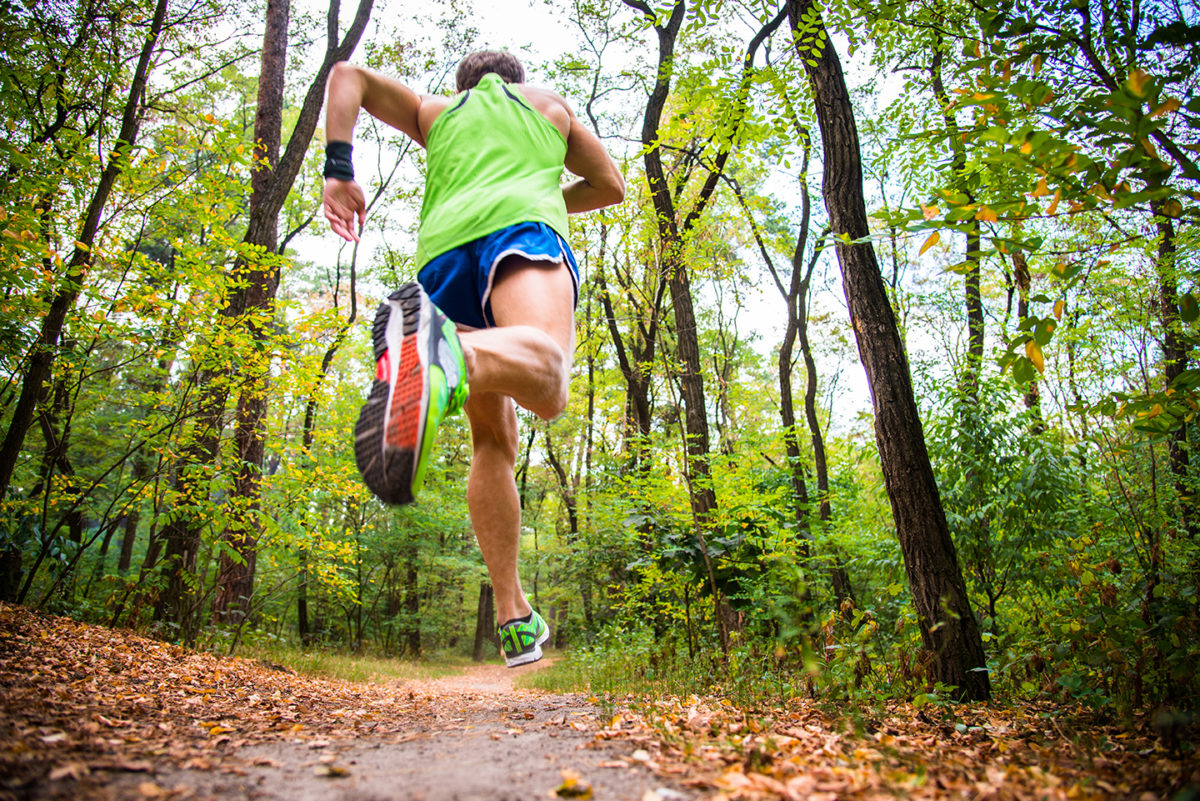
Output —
<point x="948" y="627"/>
<point x="674" y="226"/>
<point x="42" y="355"/>
<point x="250" y="304"/>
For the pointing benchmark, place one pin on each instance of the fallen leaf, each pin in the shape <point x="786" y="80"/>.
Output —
<point x="331" y="771"/>
<point x="70" y="770"/>
<point x="573" y="786"/>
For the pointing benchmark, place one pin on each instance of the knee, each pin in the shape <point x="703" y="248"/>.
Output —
<point x="557" y="380"/>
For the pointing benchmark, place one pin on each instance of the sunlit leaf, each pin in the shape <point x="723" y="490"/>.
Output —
<point x="932" y="240"/>
<point x="1035" y="355"/>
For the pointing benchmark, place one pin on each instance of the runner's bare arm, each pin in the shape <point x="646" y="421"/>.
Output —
<point x="386" y="99"/>
<point x="600" y="181"/>
<point x="349" y="89"/>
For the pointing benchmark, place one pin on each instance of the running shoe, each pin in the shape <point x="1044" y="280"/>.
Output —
<point x="420" y="377"/>
<point x="522" y="639"/>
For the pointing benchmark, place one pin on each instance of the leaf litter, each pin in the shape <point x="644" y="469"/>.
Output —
<point x="90" y="712"/>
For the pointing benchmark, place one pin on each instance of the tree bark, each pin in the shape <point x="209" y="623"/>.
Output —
<point x="257" y="281"/>
<point x="948" y="627"/>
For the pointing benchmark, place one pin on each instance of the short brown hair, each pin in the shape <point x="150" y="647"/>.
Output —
<point x="481" y="62"/>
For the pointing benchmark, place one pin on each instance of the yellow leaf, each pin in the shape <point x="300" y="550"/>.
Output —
<point x="1037" y="63"/>
<point x="1166" y="107"/>
<point x="1027" y="148"/>
<point x="986" y="214"/>
<point x="573" y="786"/>
<point x="1058" y="309"/>
<point x="1041" y="189"/>
<point x="1149" y="147"/>
<point x="929" y="212"/>
<point x="1137" y="82"/>
<point x="1053" y="207"/>
<point x="930" y="242"/>
<point x="978" y="52"/>
<point x="215" y="730"/>
<point x="1173" y="208"/>
<point x="1155" y="410"/>
<point x="1035" y="355"/>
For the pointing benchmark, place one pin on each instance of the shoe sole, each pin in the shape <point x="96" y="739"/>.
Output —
<point x="395" y="418"/>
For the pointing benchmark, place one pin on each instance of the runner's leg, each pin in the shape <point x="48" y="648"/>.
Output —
<point x="528" y="355"/>
<point x="527" y="359"/>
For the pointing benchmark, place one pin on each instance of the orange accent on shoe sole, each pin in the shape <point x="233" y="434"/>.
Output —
<point x="404" y="417"/>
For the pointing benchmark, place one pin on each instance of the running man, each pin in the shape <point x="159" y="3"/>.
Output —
<point x="498" y="284"/>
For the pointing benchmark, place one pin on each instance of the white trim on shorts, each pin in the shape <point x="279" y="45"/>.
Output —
<point x="561" y="257"/>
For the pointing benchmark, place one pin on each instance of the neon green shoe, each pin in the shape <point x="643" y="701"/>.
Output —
<point x="420" y="378"/>
<point x="522" y="639"/>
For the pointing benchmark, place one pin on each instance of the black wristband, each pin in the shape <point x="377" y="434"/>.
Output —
<point x="337" y="161"/>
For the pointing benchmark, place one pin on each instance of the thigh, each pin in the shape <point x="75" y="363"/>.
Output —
<point x="536" y="293"/>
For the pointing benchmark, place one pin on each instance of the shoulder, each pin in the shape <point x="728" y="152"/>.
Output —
<point x="550" y="104"/>
<point x="542" y="98"/>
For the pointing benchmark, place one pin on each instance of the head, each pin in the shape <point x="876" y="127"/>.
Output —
<point x="481" y="62"/>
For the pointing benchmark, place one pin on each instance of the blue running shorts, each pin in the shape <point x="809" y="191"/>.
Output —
<point x="459" y="281"/>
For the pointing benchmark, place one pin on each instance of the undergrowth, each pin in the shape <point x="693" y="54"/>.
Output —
<point x="358" y="668"/>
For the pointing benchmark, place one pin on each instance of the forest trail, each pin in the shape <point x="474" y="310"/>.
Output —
<point x="87" y="712"/>
<point x="91" y="713"/>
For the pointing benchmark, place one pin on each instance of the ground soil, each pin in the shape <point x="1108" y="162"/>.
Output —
<point x="481" y="738"/>
<point x="92" y="713"/>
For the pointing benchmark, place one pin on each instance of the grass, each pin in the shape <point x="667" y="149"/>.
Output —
<point x="565" y="674"/>
<point x="357" y="668"/>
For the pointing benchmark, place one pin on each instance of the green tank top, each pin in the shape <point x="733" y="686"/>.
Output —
<point x="492" y="161"/>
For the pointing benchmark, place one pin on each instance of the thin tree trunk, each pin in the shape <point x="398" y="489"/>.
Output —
<point x="969" y="380"/>
<point x="485" y="623"/>
<point x="41" y="359"/>
<point x="948" y="627"/>
<point x="1021" y="278"/>
<point x="671" y="234"/>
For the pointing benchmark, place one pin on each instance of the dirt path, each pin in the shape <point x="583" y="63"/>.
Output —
<point x="92" y="713"/>
<point x="89" y="713"/>
<point x="480" y="739"/>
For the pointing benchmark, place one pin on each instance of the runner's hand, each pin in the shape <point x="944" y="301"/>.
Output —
<point x="343" y="201"/>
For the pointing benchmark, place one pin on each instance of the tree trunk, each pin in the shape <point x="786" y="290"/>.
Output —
<point x="1175" y="361"/>
<point x="412" y="607"/>
<point x="254" y="297"/>
<point x="671" y="234"/>
<point x="41" y="359"/>
<point x="1021" y="278"/>
<point x="485" y="623"/>
<point x="969" y="381"/>
<point x="948" y="627"/>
